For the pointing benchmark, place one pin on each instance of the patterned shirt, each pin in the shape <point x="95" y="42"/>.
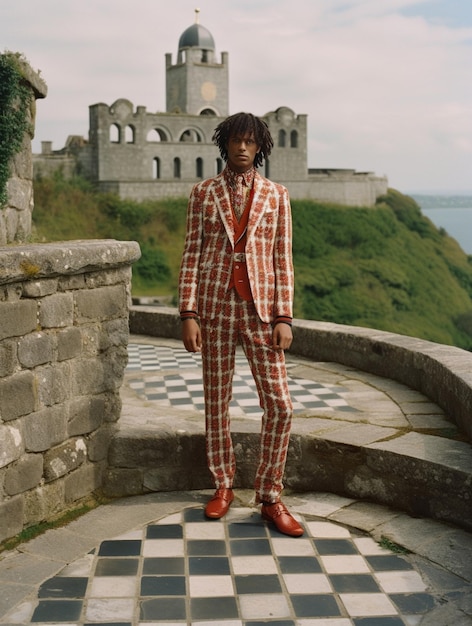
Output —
<point x="238" y="199"/>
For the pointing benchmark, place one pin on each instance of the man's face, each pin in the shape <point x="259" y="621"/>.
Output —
<point x="242" y="150"/>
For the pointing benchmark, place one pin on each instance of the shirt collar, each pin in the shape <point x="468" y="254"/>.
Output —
<point x="232" y="176"/>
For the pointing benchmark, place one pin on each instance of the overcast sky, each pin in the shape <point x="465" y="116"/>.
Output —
<point x="386" y="84"/>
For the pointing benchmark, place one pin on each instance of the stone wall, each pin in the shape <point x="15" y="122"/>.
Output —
<point x="15" y="216"/>
<point x="63" y="349"/>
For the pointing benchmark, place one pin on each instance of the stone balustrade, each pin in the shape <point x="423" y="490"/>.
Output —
<point x="63" y="349"/>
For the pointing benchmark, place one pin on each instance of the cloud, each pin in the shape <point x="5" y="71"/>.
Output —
<point x="387" y="86"/>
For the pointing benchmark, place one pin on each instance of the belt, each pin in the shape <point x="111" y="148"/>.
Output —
<point x="240" y="257"/>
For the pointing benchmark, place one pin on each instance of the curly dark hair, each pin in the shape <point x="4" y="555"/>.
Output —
<point x="241" y="124"/>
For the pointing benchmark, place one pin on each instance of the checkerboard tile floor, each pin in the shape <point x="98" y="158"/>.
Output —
<point x="238" y="571"/>
<point x="178" y="383"/>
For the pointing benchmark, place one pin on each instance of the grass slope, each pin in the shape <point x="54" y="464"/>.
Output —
<point x="387" y="267"/>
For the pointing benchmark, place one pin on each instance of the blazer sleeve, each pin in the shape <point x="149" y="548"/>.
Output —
<point x="283" y="262"/>
<point x="188" y="276"/>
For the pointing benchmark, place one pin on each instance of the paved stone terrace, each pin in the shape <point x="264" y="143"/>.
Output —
<point x="154" y="559"/>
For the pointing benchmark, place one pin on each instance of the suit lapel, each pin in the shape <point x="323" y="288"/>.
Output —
<point x="258" y="204"/>
<point x="223" y="204"/>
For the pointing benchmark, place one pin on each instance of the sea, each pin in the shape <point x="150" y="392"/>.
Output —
<point x="456" y="220"/>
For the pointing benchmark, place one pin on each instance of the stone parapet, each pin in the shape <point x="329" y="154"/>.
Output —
<point x="63" y="349"/>
<point x="440" y="372"/>
<point x="399" y="447"/>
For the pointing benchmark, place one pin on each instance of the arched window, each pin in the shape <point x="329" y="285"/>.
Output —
<point x="156" y="134"/>
<point x="209" y="112"/>
<point x="199" y="167"/>
<point x="156" y="168"/>
<point x="177" y="167"/>
<point x="115" y="133"/>
<point x="129" y="134"/>
<point x="294" y="139"/>
<point x="190" y="135"/>
<point x="219" y="165"/>
<point x="282" y="136"/>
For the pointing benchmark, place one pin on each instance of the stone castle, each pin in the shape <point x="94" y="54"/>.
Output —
<point x="141" y="155"/>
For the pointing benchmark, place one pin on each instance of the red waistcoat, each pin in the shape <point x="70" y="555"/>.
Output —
<point x="240" y="279"/>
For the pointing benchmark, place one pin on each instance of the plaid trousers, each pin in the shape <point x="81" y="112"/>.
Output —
<point x="238" y="321"/>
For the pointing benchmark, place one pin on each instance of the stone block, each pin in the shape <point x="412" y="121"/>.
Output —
<point x="22" y="162"/>
<point x="44" y="429"/>
<point x="112" y="276"/>
<point x="90" y="339"/>
<point x="112" y="407"/>
<point x="69" y="344"/>
<point x="53" y="383"/>
<point x="114" y="364"/>
<point x="103" y="303"/>
<point x="44" y="502"/>
<point x="57" y="311"/>
<point x="19" y="193"/>
<point x="98" y="443"/>
<point x="11" y="293"/>
<point x="11" y="444"/>
<point x="153" y="321"/>
<point x="11" y="514"/>
<point x="180" y="479"/>
<point x="85" y="415"/>
<point x="8" y="357"/>
<point x="39" y="288"/>
<point x="70" y="283"/>
<point x="119" y="483"/>
<point x="17" y="318"/>
<point x="82" y="482"/>
<point x="88" y="376"/>
<point x="149" y="450"/>
<point x="65" y="458"/>
<point x="11" y="223"/>
<point x="114" y="333"/>
<point x="17" y="395"/>
<point x="25" y="474"/>
<point x="35" y="349"/>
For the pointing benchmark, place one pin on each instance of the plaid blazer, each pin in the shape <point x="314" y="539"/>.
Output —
<point x="207" y="261"/>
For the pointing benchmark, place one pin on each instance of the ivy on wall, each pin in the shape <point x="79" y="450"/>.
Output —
<point x="15" y="100"/>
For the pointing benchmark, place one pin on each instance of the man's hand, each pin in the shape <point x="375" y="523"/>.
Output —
<point x="282" y="336"/>
<point x="191" y="335"/>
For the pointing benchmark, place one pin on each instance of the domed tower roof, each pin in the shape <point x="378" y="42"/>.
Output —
<point x="196" y="36"/>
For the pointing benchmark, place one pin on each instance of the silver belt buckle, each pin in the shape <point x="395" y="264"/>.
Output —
<point x="240" y="257"/>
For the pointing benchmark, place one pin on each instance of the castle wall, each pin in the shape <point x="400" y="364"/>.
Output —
<point x="348" y="188"/>
<point x="124" y="161"/>
<point x="156" y="136"/>
<point x="361" y="190"/>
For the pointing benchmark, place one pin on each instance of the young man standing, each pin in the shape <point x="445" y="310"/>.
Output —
<point x="236" y="285"/>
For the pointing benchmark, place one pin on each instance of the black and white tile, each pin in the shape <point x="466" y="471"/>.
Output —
<point x="177" y="382"/>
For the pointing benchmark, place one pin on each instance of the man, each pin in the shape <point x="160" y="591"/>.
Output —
<point x="236" y="285"/>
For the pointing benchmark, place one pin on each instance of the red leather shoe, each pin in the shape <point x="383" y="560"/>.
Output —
<point x="279" y="515"/>
<point x="219" y="504"/>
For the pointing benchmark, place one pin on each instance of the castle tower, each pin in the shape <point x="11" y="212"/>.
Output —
<point x="197" y="84"/>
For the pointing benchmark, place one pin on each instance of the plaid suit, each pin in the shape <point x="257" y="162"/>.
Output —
<point x="225" y="319"/>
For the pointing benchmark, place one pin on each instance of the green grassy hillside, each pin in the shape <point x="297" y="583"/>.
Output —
<point x="387" y="267"/>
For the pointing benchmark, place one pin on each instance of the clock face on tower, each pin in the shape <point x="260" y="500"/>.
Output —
<point x="208" y="91"/>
